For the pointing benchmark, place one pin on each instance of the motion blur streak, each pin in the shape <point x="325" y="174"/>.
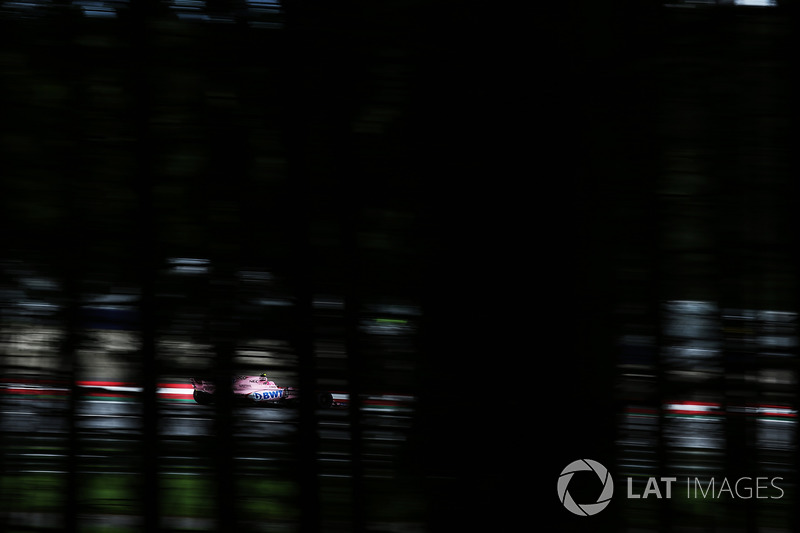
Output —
<point x="680" y="336"/>
<point x="215" y="188"/>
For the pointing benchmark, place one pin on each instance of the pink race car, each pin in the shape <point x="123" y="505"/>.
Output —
<point x="256" y="389"/>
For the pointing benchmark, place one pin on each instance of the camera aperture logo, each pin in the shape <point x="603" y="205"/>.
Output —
<point x="586" y="509"/>
<point x="662" y="487"/>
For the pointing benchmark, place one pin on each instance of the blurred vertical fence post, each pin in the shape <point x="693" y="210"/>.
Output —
<point x="355" y="366"/>
<point x="68" y="353"/>
<point x="341" y="81"/>
<point x="4" y="347"/>
<point x="225" y="192"/>
<point x="5" y="305"/>
<point x="140" y="42"/>
<point x="300" y="64"/>
<point x="68" y="256"/>
<point x="223" y="332"/>
<point x="792" y="12"/>
<point x="307" y="439"/>
<point x="147" y="260"/>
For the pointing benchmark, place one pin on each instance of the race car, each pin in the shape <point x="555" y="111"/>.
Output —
<point x="258" y="390"/>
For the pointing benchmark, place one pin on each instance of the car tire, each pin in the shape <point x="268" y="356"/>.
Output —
<point x="324" y="400"/>
<point x="203" y="398"/>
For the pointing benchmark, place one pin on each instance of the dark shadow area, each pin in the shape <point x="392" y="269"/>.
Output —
<point x="498" y="244"/>
<point x="322" y="193"/>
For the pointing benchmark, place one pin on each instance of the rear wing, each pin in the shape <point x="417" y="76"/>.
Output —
<point x="203" y="385"/>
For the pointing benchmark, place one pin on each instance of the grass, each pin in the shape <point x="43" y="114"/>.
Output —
<point x="267" y="499"/>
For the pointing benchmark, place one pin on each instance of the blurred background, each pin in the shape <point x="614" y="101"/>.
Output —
<point x="504" y="240"/>
<point x="685" y="361"/>
<point x="222" y="188"/>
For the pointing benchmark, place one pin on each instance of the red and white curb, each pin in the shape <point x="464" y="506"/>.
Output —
<point x="120" y="390"/>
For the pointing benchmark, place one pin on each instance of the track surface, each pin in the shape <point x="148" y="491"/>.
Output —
<point x="36" y="457"/>
<point x="111" y="416"/>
